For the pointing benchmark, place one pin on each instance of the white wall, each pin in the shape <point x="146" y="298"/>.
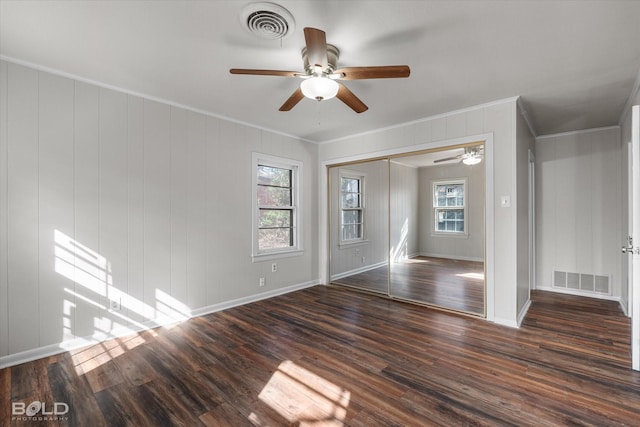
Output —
<point x="108" y="195"/>
<point x="349" y="257"/>
<point x="469" y="247"/>
<point x="525" y="142"/>
<point x="578" y="205"/>
<point x="498" y="119"/>
<point x="404" y="206"/>
<point x="625" y="136"/>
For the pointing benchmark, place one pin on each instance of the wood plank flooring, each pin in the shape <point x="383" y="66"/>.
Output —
<point x="449" y="283"/>
<point x="330" y="356"/>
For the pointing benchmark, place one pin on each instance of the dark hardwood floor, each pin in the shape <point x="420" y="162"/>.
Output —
<point x="449" y="283"/>
<point x="330" y="356"/>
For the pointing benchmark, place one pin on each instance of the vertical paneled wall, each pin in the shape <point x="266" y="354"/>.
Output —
<point x="404" y="212"/>
<point x="106" y="197"/>
<point x="469" y="247"/>
<point x="496" y="118"/>
<point x="578" y="205"/>
<point x="373" y="250"/>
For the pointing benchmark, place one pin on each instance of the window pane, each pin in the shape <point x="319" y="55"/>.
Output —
<point x="351" y="217"/>
<point x="449" y="195"/>
<point x="269" y="175"/>
<point x="275" y="218"/>
<point x="350" y="200"/>
<point x="352" y="232"/>
<point x="274" y="196"/>
<point x="451" y="220"/>
<point x="351" y="185"/>
<point x="275" y="238"/>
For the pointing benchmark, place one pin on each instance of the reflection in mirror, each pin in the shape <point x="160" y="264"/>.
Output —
<point x="359" y="224"/>
<point x="437" y="229"/>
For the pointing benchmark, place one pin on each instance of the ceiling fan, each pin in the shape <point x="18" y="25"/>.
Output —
<point x="471" y="156"/>
<point x="321" y="74"/>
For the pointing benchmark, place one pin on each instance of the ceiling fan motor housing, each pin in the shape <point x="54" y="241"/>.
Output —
<point x="333" y="53"/>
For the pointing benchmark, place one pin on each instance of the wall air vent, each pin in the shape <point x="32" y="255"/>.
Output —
<point x="582" y="282"/>
<point x="267" y="20"/>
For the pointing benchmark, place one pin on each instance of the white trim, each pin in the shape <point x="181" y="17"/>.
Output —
<point x="362" y="179"/>
<point x="523" y="313"/>
<point x="358" y="270"/>
<point x="145" y="96"/>
<point x="448" y="256"/>
<point x="424" y="119"/>
<point x="443" y="182"/>
<point x="630" y="99"/>
<point x="578" y="292"/>
<point x="52" y="349"/>
<point x="506" y="322"/>
<point x="252" y="298"/>
<point x="296" y="167"/>
<point x="576" y="132"/>
<point x="525" y="116"/>
<point x="623" y="306"/>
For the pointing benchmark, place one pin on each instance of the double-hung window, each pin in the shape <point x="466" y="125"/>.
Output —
<point x="277" y="217"/>
<point x="450" y="207"/>
<point x="351" y="208"/>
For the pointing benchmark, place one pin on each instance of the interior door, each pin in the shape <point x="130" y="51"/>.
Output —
<point x="633" y="246"/>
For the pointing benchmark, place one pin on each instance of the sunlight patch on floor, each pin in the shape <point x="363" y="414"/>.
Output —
<point x="304" y="398"/>
<point x="474" y="276"/>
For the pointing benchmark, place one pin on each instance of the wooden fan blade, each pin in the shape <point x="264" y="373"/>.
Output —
<point x="266" y="72"/>
<point x="292" y="101"/>
<point x="383" y="72"/>
<point x="349" y="98"/>
<point x="316" y="41"/>
<point x="447" y="159"/>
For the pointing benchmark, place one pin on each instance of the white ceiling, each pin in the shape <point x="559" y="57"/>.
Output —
<point x="573" y="62"/>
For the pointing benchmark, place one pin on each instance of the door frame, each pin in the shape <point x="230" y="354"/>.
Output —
<point x="486" y="139"/>
<point x="634" y="230"/>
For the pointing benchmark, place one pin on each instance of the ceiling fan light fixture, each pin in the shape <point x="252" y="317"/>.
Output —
<point x="319" y="88"/>
<point x="472" y="160"/>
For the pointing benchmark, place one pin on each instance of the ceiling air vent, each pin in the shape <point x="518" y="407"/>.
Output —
<point x="267" y="20"/>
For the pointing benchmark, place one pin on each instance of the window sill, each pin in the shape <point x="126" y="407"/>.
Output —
<point x="354" y="243"/>
<point x="453" y="235"/>
<point x="276" y="255"/>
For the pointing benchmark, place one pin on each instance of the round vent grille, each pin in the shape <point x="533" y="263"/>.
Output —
<point x="267" y="20"/>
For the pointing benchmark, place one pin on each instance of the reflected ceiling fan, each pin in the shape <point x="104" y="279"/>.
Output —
<point x="320" y="78"/>
<point x="471" y="156"/>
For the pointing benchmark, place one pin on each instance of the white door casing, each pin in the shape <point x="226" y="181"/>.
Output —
<point x="633" y="245"/>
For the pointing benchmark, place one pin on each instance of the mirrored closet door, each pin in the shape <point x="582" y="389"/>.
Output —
<point x="359" y="224"/>
<point x="412" y="227"/>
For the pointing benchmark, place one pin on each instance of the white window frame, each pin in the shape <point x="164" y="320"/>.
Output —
<point x="296" y="205"/>
<point x="435" y="207"/>
<point x="362" y="178"/>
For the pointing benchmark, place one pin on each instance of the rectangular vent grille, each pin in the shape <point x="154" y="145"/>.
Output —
<point x="592" y="283"/>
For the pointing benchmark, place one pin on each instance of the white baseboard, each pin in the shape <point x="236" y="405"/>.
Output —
<point x="506" y="322"/>
<point x="358" y="270"/>
<point x="624" y="305"/>
<point x="523" y="312"/>
<point x="578" y="292"/>
<point x="447" y="256"/>
<point x="79" y="342"/>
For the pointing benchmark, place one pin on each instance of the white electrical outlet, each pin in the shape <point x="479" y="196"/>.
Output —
<point x="262" y="282"/>
<point x="363" y="258"/>
<point x="274" y="267"/>
<point x="114" y="305"/>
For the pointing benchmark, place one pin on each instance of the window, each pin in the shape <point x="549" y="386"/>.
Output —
<point x="351" y="208"/>
<point x="449" y="206"/>
<point x="276" y="230"/>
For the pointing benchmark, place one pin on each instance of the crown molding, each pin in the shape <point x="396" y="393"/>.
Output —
<point x="77" y="78"/>
<point x="632" y="96"/>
